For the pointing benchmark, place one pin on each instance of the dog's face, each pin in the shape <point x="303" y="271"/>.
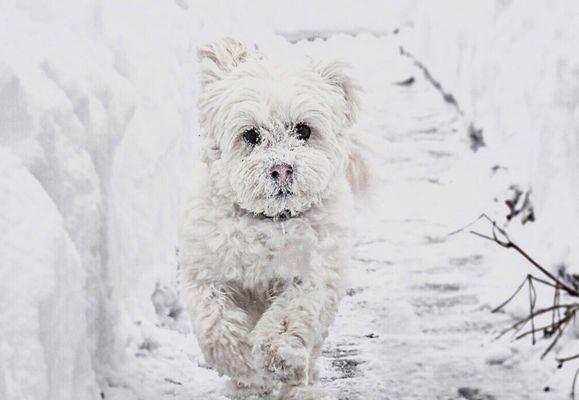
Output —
<point x="275" y="134"/>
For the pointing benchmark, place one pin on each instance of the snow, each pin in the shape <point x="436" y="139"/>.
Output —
<point x="98" y="131"/>
<point x="514" y="72"/>
<point x="44" y="350"/>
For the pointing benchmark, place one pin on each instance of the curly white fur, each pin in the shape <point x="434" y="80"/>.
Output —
<point x="262" y="292"/>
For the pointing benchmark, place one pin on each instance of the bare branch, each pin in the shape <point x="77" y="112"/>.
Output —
<point x="506" y="242"/>
<point x="561" y="314"/>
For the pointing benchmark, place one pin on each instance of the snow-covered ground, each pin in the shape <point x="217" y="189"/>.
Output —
<point x="98" y="133"/>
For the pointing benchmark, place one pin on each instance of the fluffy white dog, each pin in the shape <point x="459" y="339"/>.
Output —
<point x="265" y="238"/>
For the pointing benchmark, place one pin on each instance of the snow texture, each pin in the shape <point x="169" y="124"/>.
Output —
<point x="98" y="133"/>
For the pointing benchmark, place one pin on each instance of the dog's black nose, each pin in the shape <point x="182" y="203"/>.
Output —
<point x="281" y="173"/>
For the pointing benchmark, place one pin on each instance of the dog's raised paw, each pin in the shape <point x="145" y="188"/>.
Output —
<point x="239" y="391"/>
<point x="285" y="363"/>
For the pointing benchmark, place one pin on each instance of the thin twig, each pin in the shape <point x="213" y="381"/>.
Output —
<point x="573" y="385"/>
<point x="524" y="321"/>
<point x="565" y="359"/>
<point x="556" y="315"/>
<point x="509" y="244"/>
<point x="512" y="297"/>
<point x="557" y="337"/>
<point x="532" y="302"/>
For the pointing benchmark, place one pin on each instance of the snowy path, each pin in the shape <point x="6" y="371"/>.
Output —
<point x="413" y="325"/>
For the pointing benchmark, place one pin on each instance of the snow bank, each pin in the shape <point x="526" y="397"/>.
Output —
<point x="512" y="68"/>
<point x="96" y="125"/>
<point x="44" y="349"/>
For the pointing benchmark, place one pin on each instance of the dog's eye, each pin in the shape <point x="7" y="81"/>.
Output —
<point x="252" y="136"/>
<point x="303" y="131"/>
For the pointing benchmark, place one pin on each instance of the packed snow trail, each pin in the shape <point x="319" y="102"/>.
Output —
<point x="413" y="325"/>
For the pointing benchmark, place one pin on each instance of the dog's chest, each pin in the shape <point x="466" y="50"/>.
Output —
<point x="254" y="252"/>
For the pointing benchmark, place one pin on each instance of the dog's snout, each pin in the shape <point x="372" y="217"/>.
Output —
<point x="281" y="173"/>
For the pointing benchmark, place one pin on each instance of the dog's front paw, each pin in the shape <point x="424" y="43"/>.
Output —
<point x="286" y="361"/>
<point x="238" y="391"/>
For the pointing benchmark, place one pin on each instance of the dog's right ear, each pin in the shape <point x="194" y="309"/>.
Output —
<point x="220" y="57"/>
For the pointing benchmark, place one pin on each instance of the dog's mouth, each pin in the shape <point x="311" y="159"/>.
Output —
<point x="282" y="204"/>
<point x="283" y="192"/>
<point x="282" y="216"/>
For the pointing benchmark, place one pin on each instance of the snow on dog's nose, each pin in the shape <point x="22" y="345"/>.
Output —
<point x="281" y="173"/>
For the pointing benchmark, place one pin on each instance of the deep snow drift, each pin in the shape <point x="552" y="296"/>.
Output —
<point x="98" y="132"/>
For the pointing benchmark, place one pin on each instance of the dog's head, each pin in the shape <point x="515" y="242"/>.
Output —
<point x="277" y="136"/>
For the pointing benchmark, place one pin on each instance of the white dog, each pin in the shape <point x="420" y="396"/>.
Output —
<point x="265" y="238"/>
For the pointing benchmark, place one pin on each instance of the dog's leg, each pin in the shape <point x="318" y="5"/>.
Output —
<point x="311" y="391"/>
<point x="222" y="330"/>
<point x="289" y="335"/>
<point x="313" y="370"/>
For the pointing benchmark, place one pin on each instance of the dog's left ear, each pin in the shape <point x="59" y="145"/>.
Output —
<point x="335" y="72"/>
<point x="219" y="57"/>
